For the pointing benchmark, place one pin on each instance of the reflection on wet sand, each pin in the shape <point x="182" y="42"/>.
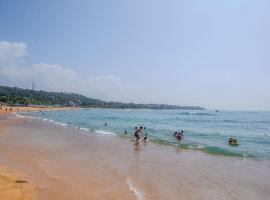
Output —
<point x="137" y="146"/>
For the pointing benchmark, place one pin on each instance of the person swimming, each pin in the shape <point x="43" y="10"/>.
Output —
<point x="179" y="135"/>
<point x="125" y="132"/>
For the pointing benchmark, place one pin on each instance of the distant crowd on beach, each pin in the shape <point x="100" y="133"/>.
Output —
<point x="8" y="109"/>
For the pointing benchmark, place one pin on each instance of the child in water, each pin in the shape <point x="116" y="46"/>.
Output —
<point x="145" y="137"/>
<point x="145" y="134"/>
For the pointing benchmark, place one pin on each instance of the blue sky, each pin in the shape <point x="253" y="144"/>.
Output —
<point x="208" y="53"/>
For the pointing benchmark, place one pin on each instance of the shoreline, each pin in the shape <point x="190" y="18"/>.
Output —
<point x="211" y="150"/>
<point x="116" y="168"/>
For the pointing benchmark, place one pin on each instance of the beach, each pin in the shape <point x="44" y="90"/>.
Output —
<point x="63" y="162"/>
<point x="7" y="109"/>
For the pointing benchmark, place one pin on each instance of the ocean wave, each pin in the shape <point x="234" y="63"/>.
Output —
<point x="18" y="115"/>
<point x="84" y="129"/>
<point x="105" y="132"/>
<point x="206" y="114"/>
<point x="47" y="120"/>
<point x="228" y="120"/>
<point x="60" y="123"/>
<point x="200" y="113"/>
<point x="184" y="113"/>
<point x="203" y="148"/>
<point x="224" y="152"/>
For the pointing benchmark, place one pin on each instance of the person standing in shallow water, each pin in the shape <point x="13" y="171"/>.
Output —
<point x="145" y="134"/>
<point x="137" y="133"/>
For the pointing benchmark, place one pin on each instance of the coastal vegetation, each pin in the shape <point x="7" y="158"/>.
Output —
<point x="14" y="96"/>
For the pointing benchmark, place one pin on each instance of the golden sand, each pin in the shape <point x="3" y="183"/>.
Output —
<point x="13" y="185"/>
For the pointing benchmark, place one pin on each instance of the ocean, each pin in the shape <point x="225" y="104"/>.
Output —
<point x="204" y="130"/>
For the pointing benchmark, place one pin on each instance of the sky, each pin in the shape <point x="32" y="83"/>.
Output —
<point x="214" y="54"/>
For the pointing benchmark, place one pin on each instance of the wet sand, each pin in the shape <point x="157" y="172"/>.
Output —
<point x="65" y="163"/>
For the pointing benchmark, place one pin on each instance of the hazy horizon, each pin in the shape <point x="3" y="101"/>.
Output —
<point x="201" y="53"/>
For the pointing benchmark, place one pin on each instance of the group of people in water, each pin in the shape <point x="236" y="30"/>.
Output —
<point x="141" y="131"/>
<point x="138" y="132"/>
<point x="179" y="135"/>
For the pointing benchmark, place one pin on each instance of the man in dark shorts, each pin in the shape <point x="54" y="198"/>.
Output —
<point x="137" y="133"/>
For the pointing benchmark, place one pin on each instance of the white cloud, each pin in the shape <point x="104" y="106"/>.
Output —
<point x="55" y="77"/>
<point x="11" y="51"/>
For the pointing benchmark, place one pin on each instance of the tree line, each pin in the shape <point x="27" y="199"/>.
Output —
<point x="14" y="96"/>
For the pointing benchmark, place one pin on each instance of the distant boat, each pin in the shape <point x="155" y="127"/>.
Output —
<point x="216" y="110"/>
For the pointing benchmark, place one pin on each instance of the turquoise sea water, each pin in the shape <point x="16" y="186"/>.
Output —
<point x="205" y="130"/>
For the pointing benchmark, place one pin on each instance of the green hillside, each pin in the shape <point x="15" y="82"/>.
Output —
<point x="25" y="97"/>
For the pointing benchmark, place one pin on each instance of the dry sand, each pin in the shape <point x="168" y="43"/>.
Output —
<point x="13" y="185"/>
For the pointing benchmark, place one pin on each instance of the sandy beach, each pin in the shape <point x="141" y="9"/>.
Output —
<point x="61" y="162"/>
<point x="7" y="109"/>
<point x="13" y="184"/>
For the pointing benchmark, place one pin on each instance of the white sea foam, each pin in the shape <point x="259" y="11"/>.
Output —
<point x="200" y="146"/>
<point x="18" y="115"/>
<point x="105" y="132"/>
<point x="61" y="124"/>
<point x="84" y="129"/>
<point x="132" y="188"/>
<point x="47" y="120"/>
